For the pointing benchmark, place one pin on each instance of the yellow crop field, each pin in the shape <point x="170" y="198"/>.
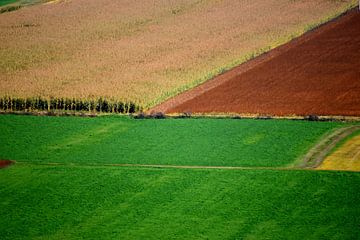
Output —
<point x="142" y="51"/>
<point x="347" y="157"/>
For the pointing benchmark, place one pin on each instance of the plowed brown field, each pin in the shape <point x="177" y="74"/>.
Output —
<point x="318" y="73"/>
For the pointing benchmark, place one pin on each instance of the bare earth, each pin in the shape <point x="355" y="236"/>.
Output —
<point x="141" y="51"/>
<point x="318" y="73"/>
<point x="5" y="163"/>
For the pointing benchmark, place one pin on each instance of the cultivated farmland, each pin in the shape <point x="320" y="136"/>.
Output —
<point x="70" y="174"/>
<point x="316" y="74"/>
<point x="142" y="51"/>
<point x="66" y="183"/>
<point x="193" y="142"/>
<point x="72" y="202"/>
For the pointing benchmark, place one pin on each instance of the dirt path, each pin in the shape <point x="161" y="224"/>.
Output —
<point x="317" y="73"/>
<point x="346" y="157"/>
<point x="317" y="154"/>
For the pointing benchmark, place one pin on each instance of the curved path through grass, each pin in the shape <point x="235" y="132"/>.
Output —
<point x="316" y="156"/>
<point x="346" y="156"/>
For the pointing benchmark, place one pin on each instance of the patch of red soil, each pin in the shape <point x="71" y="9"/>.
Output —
<point x="318" y="73"/>
<point x="5" y="163"/>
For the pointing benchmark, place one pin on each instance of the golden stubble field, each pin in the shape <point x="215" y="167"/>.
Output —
<point x="143" y="51"/>
<point x="346" y="157"/>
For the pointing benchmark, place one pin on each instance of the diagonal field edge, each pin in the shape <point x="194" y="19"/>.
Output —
<point x="190" y="94"/>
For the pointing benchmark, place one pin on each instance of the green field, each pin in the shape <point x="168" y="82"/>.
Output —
<point x="21" y="2"/>
<point x="84" y="199"/>
<point x="66" y="202"/>
<point x="202" y="142"/>
<point x="5" y="2"/>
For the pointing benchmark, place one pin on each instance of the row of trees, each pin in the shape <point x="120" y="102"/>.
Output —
<point x="67" y="104"/>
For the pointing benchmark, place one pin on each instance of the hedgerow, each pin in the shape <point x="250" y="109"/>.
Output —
<point x="100" y="105"/>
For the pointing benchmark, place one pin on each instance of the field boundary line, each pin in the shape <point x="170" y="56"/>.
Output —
<point x="317" y="154"/>
<point x="148" y="166"/>
<point x="162" y="166"/>
<point x="315" y="118"/>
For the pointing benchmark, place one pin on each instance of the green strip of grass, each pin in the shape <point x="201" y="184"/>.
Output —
<point x="64" y="202"/>
<point x="5" y="2"/>
<point x="207" y="142"/>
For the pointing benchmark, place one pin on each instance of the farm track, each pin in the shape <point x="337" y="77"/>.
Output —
<point x="316" y="73"/>
<point x="155" y="166"/>
<point x="159" y="166"/>
<point x="318" y="153"/>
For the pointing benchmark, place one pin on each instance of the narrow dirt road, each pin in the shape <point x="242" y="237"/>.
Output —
<point x="317" y="154"/>
<point x="346" y="157"/>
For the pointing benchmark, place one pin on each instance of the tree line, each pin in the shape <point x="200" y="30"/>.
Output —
<point x="67" y="104"/>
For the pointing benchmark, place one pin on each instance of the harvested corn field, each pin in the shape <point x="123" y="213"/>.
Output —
<point x="142" y="51"/>
<point x="319" y="74"/>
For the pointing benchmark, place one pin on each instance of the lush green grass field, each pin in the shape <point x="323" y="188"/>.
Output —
<point x="84" y="199"/>
<point x="208" y="142"/>
<point x="67" y="202"/>
<point x="4" y="2"/>
<point x="22" y="2"/>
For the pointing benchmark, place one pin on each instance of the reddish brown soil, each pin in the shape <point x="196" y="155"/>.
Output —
<point x="5" y="163"/>
<point x="318" y="73"/>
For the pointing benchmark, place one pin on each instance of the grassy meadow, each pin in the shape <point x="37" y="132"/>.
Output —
<point x="83" y="198"/>
<point x="74" y="202"/>
<point x="5" y="2"/>
<point x="142" y="51"/>
<point x="120" y="139"/>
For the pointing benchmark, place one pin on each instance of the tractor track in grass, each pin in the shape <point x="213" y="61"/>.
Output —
<point x="156" y="166"/>
<point x="318" y="153"/>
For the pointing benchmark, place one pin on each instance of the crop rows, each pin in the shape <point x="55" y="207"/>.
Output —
<point x="67" y="104"/>
<point x="106" y="55"/>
